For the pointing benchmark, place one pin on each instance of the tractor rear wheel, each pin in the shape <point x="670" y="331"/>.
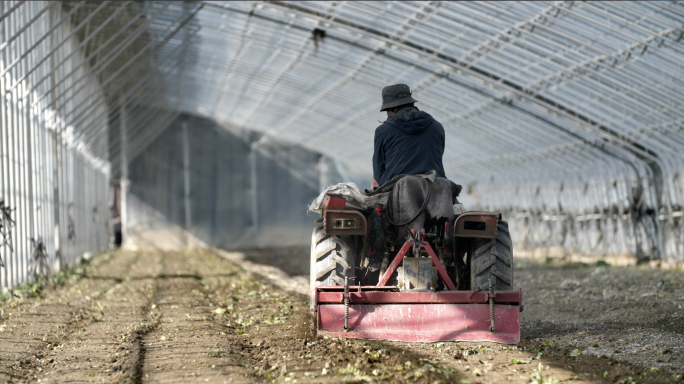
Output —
<point x="493" y="259"/>
<point x="332" y="258"/>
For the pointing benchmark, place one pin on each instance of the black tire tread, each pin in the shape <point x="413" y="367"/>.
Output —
<point x="493" y="259"/>
<point x="337" y="250"/>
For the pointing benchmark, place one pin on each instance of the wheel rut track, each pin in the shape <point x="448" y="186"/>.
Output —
<point x="248" y="334"/>
<point x="66" y="315"/>
<point x="188" y="343"/>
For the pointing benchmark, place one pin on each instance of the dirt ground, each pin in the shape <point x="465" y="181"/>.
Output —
<point x="196" y="316"/>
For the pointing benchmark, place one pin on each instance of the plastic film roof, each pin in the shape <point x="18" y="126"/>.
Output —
<point x="522" y="88"/>
<point x="565" y="116"/>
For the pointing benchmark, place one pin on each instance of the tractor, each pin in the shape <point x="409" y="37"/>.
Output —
<point x="406" y="262"/>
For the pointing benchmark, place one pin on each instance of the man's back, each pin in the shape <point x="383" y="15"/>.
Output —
<point x="409" y="142"/>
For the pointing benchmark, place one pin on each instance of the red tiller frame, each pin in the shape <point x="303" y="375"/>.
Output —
<point x="379" y="313"/>
<point x="402" y="252"/>
<point x="335" y="295"/>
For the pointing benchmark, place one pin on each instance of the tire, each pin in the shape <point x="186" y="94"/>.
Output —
<point x="493" y="259"/>
<point x="332" y="258"/>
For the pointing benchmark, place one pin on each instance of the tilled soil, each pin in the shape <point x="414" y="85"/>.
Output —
<point x="197" y="317"/>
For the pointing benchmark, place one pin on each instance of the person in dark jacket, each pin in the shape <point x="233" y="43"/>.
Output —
<point x="409" y="142"/>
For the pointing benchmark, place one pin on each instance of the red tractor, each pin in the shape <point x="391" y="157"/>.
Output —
<point x="401" y="263"/>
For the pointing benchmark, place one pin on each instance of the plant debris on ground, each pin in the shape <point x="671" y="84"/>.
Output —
<point x="194" y="316"/>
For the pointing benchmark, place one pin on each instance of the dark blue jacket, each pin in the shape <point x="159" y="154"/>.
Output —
<point x="408" y="143"/>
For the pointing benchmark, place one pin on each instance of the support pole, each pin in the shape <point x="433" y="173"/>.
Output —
<point x="124" y="182"/>
<point x="186" y="178"/>
<point x="322" y="173"/>
<point x="55" y="196"/>
<point x="55" y="160"/>
<point x="253" y="182"/>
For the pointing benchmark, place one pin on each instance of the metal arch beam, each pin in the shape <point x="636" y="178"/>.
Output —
<point x="9" y="11"/>
<point x="131" y="93"/>
<point x="47" y="34"/>
<point x="500" y="41"/>
<point x="615" y="143"/>
<point x="637" y="148"/>
<point x="231" y="64"/>
<point x="611" y="137"/>
<point x="49" y="54"/>
<point x="18" y="33"/>
<point x="152" y="45"/>
<point x="403" y="29"/>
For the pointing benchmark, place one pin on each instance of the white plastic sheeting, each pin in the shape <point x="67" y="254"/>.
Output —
<point x="565" y="103"/>
<point x="50" y="173"/>
<point x="564" y="115"/>
<point x="352" y="195"/>
<point x="240" y="190"/>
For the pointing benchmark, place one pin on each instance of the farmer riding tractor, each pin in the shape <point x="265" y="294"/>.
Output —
<point x="406" y="262"/>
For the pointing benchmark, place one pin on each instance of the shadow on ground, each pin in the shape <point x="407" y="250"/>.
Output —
<point x="597" y="322"/>
<point x="292" y="260"/>
<point x="194" y="316"/>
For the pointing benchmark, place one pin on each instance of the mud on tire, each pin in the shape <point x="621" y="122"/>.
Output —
<point x="493" y="259"/>
<point x="332" y="258"/>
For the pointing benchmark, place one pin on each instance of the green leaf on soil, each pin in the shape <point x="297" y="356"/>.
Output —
<point x="575" y="353"/>
<point x="537" y="378"/>
<point x="240" y="331"/>
<point x="549" y="343"/>
<point x="219" y="311"/>
<point x="516" y="361"/>
<point x="349" y="370"/>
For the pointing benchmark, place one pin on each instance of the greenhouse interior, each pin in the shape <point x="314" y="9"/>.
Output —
<point x="214" y="125"/>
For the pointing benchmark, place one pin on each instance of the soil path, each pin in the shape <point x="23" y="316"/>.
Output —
<point x="164" y="317"/>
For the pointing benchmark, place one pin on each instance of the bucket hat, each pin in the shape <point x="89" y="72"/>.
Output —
<point x="396" y="95"/>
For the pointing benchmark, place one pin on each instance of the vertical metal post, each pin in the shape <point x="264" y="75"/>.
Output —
<point x="4" y="160"/>
<point x="124" y="182"/>
<point x="186" y="175"/>
<point x="253" y="184"/>
<point x="55" y="196"/>
<point x="55" y="160"/>
<point x="322" y="173"/>
<point x="29" y="148"/>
